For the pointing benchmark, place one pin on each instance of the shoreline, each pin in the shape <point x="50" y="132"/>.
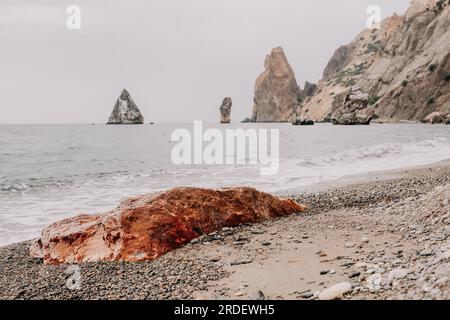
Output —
<point x="367" y="177"/>
<point x="386" y="227"/>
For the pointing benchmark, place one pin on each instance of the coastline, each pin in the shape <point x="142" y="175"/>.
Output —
<point x="367" y="177"/>
<point x="385" y="233"/>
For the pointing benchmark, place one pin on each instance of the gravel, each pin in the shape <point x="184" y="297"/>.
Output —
<point x="413" y="207"/>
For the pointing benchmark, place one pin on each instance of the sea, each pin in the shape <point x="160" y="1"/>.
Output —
<point x="50" y="172"/>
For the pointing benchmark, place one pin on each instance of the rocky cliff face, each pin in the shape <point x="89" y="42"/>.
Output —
<point x="404" y="66"/>
<point x="125" y="111"/>
<point x="225" y="110"/>
<point x="277" y="94"/>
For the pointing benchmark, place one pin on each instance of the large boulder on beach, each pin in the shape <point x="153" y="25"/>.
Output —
<point x="436" y="117"/>
<point x="145" y="227"/>
<point x="302" y="121"/>
<point x="247" y="120"/>
<point x="355" y="109"/>
<point x="125" y="111"/>
<point x="277" y="93"/>
<point x="225" y="110"/>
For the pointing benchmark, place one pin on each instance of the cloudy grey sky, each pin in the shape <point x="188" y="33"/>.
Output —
<point x="178" y="58"/>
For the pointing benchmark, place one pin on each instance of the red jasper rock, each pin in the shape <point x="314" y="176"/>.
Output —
<point x="145" y="227"/>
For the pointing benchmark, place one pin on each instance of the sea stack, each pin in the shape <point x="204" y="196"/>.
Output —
<point x="225" y="110"/>
<point x="125" y="111"/>
<point x="277" y="93"/>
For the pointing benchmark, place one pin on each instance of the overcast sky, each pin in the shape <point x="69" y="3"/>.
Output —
<point x="178" y="58"/>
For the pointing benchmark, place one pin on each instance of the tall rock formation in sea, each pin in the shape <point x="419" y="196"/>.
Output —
<point x="404" y="67"/>
<point x="225" y="110"/>
<point x="125" y="111"/>
<point x="277" y="94"/>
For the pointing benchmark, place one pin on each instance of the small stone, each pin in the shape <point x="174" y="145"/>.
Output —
<point x="365" y="239"/>
<point x="354" y="274"/>
<point x="321" y="253"/>
<point x="306" y="295"/>
<point x="239" y="262"/>
<point x="258" y="295"/>
<point x="322" y="272"/>
<point x="447" y="231"/>
<point x="239" y="294"/>
<point x="445" y="255"/>
<point x="360" y="265"/>
<point x="426" y="253"/>
<point x="265" y="243"/>
<point x="349" y="244"/>
<point x="21" y="293"/>
<point x="336" y="291"/>
<point x="374" y="282"/>
<point x="370" y="271"/>
<point x="397" y="274"/>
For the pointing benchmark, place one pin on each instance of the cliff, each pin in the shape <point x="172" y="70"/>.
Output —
<point x="404" y="66"/>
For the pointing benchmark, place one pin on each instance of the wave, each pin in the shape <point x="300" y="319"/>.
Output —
<point x="387" y="156"/>
<point x="385" y="150"/>
<point x="30" y="184"/>
<point x="293" y="172"/>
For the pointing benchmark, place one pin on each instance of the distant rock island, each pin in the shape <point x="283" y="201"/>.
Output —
<point x="125" y="111"/>
<point x="225" y="110"/>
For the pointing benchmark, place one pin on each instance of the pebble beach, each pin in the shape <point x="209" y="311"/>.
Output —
<point x="386" y="236"/>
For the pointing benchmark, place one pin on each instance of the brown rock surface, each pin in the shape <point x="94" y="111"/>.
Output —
<point x="436" y="117"/>
<point x="146" y="227"/>
<point x="339" y="60"/>
<point x="277" y="93"/>
<point x="225" y="110"/>
<point x="404" y="67"/>
<point x="354" y="110"/>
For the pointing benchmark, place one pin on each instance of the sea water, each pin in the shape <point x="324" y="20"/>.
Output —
<point x="49" y="172"/>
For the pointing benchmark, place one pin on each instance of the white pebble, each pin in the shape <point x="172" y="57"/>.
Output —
<point x="349" y="244"/>
<point x="397" y="274"/>
<point x="336" y="291"/>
